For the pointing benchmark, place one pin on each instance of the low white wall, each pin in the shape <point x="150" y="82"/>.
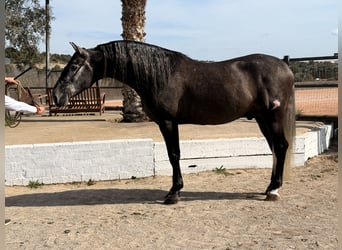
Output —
<point x="78" y="161"/>
<point x="122" y="159"/>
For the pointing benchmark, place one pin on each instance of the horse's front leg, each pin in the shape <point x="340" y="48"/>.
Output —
<point x="170" y="133"/>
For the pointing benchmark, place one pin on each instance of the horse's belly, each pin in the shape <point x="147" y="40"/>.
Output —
<point x="209" y="117"/>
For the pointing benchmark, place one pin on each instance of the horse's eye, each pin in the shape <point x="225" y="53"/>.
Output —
<point x="73" y="67"/>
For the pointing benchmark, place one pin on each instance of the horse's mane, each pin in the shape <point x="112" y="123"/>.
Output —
<point x="148" y="63"/>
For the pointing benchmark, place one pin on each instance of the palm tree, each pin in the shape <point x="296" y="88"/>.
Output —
<point x="133" y="25"/>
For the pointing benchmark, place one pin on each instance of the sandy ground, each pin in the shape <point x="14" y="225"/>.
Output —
<point x="217" y="211"/>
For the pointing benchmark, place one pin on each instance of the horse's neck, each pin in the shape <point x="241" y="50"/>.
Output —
<point x="124" y="73"/>
<point x="141" y="67"/>
<point x="122" y="70"/>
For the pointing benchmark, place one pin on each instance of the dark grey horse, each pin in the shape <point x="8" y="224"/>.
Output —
<point x="175" y="89"/>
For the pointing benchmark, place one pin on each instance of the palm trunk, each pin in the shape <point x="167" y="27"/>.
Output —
<point x="133" y="25"/>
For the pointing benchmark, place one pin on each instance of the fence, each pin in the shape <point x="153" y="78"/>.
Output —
<point x="312" y="68"/>
<point x="319" y="96"/>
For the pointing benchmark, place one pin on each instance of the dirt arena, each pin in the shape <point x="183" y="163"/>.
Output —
<point x="218" y="210"/>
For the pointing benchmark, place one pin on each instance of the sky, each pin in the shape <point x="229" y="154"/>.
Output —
<point x="205" y="29"/>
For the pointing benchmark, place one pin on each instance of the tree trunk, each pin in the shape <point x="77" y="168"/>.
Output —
<point x="133" y="25"/>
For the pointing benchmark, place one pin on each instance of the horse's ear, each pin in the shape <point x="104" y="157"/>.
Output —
<point x="78" y="49"/>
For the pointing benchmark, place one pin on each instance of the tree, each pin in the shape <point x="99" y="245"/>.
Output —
<point x="311" y="70"/>
<point x="133" y="25"/>
<point x="25" y="28"/>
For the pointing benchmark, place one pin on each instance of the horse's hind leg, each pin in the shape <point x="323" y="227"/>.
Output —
<point x="170" y="133"/>
<point x="271" y="126"/>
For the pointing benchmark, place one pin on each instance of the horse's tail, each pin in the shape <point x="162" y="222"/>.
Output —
<point x="289" y="125"/>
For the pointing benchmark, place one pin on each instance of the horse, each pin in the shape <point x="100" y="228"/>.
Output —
<point x="175" y="89"/>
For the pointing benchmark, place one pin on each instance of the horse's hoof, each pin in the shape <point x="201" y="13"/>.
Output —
<point x="171" y="199"/>
<point x="272" y="195"/>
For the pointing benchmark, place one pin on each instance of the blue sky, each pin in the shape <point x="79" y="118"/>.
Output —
<point x="205" y="29"/>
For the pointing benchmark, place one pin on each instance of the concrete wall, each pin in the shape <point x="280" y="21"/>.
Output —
<point x="122" y="159"/>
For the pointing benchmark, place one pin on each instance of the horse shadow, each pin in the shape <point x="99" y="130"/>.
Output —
<point x="118" y="196"/>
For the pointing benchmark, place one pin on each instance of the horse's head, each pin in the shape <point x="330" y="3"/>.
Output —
<point x="77" y="75"/>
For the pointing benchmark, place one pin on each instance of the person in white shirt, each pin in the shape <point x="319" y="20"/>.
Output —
<point x="15" y="105"/>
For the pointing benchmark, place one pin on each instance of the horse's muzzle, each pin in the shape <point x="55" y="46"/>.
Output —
<point x="60" y="99"/>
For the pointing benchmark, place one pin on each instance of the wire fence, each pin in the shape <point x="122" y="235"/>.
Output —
<point x="318" y="97"/>
<point x="318" y="101"/>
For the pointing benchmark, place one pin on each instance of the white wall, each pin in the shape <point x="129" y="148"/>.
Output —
<point x="122" y="159"/>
